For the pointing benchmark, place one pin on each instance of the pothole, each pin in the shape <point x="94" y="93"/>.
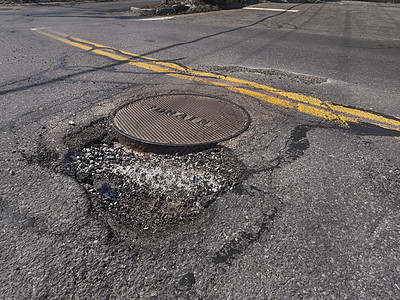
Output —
<point x="145" y="191"/>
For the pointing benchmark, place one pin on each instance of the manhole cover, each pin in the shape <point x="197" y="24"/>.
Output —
<point x="180" y="120"/>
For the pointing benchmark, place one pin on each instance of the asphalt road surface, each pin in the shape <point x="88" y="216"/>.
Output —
<point x="307" y="202"/>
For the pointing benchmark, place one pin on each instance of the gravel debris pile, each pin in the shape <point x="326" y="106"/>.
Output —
<point x="151" y="190"/>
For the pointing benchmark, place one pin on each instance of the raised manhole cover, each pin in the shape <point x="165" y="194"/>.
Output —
<point x="180" y="120"/>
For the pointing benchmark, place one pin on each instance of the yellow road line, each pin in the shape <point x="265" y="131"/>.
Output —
<point x="309" y="105"/>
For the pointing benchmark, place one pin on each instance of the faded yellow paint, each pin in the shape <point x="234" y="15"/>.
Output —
<point x="302" y="103"/>
<point x="61" y="39"/>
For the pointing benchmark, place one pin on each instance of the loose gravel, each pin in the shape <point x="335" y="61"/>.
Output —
<point x="146" y="191"/>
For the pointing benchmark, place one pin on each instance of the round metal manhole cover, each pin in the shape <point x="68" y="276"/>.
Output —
<point x="180" y="120"/>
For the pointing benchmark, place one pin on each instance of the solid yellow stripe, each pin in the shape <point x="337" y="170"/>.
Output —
<point x="305" y="104"/>
<point x="273" y="100"/>
<point x="366" y="115"/>
<point x="294" y="96"/>
<point x="310" y="100"/>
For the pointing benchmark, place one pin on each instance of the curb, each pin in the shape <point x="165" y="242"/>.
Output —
<point x="161" y="11"/>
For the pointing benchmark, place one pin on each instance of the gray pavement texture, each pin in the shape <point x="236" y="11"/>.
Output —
<point x="315" y="214"/>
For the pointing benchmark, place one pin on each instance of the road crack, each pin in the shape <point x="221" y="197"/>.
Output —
<point x="244" y="240"/>
<point x="303" y="78"/>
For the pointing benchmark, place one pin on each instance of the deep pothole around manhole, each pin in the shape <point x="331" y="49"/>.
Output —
<point x="145" y="191"/>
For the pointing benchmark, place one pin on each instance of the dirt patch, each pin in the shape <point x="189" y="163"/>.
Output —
<point x="141" y="192"/>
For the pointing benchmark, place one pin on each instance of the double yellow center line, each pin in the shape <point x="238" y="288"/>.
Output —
<point x="344" y="115"/>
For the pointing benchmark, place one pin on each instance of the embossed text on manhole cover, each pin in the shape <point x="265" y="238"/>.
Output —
<point x="180" y="120"/>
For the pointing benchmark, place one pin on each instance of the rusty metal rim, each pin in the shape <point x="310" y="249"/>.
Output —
<point x="135" y="139"/>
